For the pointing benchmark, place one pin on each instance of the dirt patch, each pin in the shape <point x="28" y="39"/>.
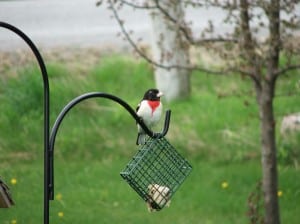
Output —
<point x="7" y="159"/>
<point x="71" y="57"/>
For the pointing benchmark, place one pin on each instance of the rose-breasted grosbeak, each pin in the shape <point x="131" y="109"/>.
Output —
<point x="150" y="110"/>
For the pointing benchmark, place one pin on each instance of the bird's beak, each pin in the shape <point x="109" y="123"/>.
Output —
<point x="160" y="94"/>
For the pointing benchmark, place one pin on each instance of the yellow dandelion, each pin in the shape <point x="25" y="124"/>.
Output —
<point x="279" y="193"/>
<point x="58" y="196"/>
<point x="13" y="181"/>
<point x="224" y="184"/>
<point x="14" y="221"/>
<point x="60" y="214"/>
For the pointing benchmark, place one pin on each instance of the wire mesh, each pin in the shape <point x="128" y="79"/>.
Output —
<point x="156" y="171"/>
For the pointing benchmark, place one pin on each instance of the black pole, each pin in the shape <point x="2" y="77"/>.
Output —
<point x="83" y="97"/>
<point x="46" y="112"/>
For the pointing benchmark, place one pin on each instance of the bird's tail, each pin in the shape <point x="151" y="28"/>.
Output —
<point x="141" y="139"/>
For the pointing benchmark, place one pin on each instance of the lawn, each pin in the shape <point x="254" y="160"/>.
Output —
<point x="216" y="129"/>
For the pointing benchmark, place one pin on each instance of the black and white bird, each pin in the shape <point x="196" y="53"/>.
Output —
<point x="150" y="110"/>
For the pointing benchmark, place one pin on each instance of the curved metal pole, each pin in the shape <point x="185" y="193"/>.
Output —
<point x="46" y="112"/>
<point x="80" y="98"/>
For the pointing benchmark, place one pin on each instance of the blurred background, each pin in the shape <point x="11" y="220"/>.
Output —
<point x="215" y="123"/>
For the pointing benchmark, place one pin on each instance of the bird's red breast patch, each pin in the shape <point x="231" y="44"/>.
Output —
<point x="153" y="104"/>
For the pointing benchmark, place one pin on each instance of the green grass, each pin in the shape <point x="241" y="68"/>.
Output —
<point x="216" y="129"/>
<point x="92" y="191"/>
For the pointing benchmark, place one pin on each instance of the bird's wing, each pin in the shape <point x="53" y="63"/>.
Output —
<point x="137" y="109"/>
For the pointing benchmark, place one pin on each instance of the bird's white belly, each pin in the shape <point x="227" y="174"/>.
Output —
<point x="150" y="117"/>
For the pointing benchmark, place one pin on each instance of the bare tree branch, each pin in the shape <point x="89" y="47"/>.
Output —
<point x="136" y="6"/>
<point x="247" y="40"/>
<point x="186" y="31"/>
<point x="151" y="61"/>
<point x="248" y="43"/>
<point x="273" y="12"/>
<point x="283" y="71"/>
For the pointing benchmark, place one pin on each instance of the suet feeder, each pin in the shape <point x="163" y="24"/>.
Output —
<point x="156" y="171"/>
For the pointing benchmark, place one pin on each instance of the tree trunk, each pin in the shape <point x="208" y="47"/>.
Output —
<point x="269" y="161"/>
<point x="169" y="49"/>
<point x="265" y="87"/>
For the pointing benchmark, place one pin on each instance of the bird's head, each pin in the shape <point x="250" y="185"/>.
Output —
<point x="153" y="94"/>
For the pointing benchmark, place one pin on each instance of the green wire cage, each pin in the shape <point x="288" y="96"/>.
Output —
<point x="156" y="172"/>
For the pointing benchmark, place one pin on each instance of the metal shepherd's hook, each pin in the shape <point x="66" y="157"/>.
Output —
<point x="46" y="111"/>
<point x="86" y="96"/>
